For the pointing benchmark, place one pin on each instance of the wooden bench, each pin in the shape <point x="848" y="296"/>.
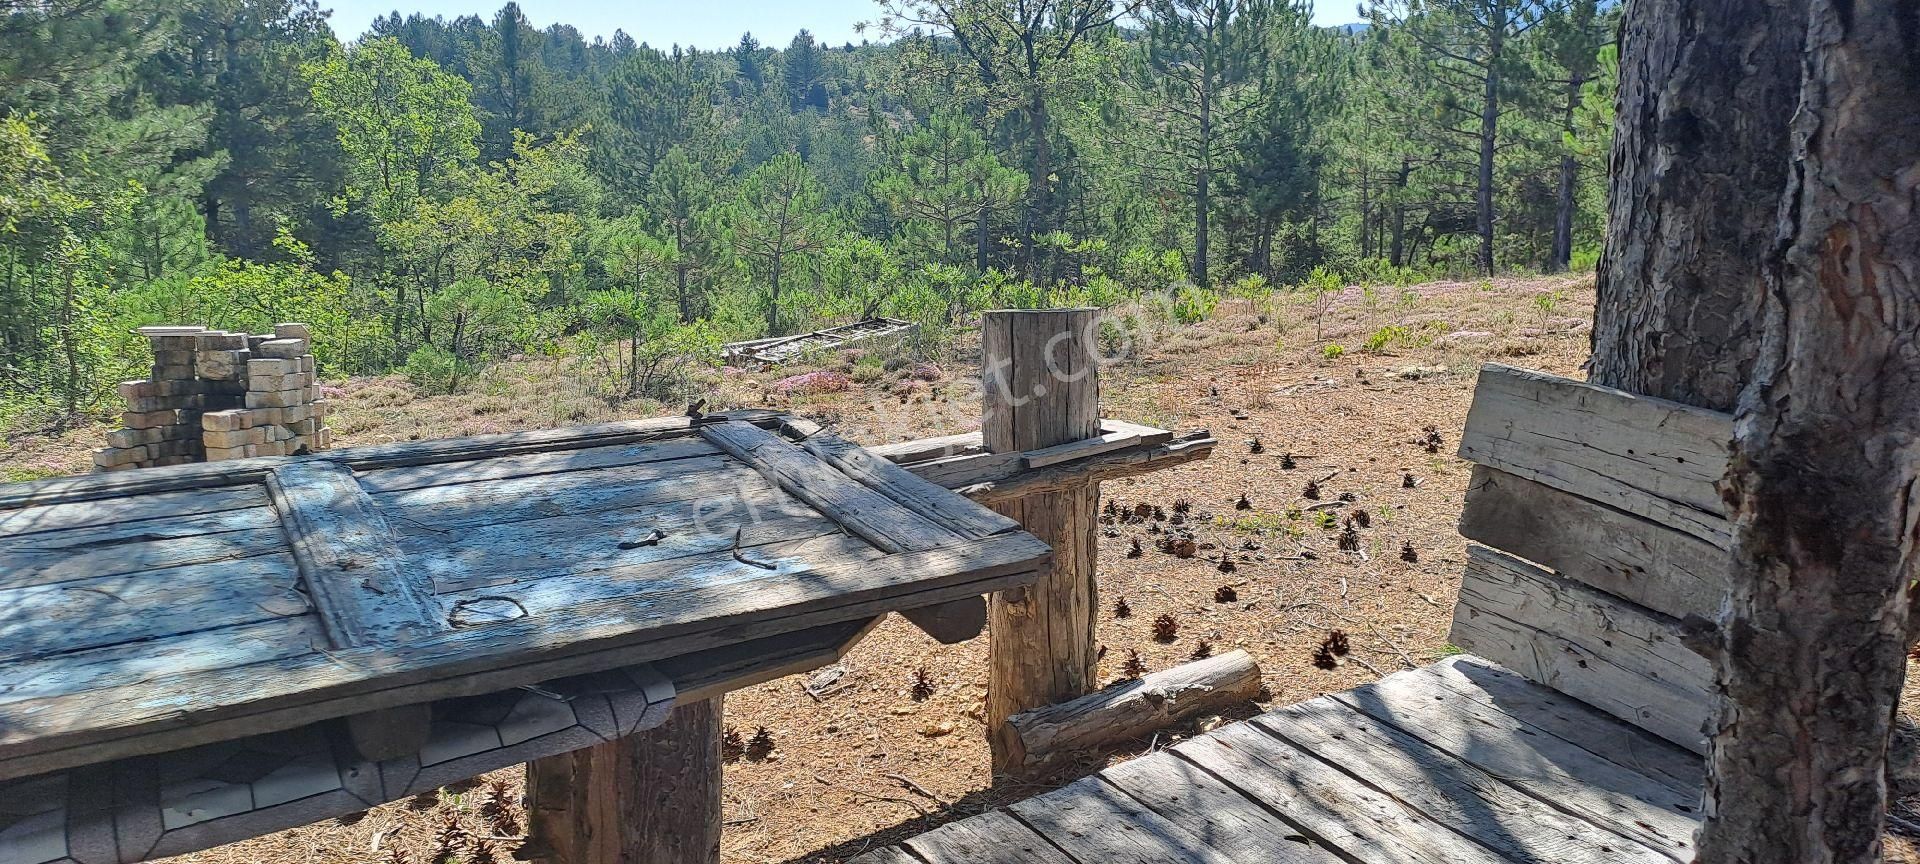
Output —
<point x="1573" y="732"/>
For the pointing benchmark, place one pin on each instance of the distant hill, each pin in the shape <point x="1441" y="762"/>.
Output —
<point x="1350" y="29"/>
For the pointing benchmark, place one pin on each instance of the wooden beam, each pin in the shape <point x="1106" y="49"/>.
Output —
<point x="348" y="559"/>
<point x="952" y="622"/>
<point x="1040" y="387"/>
<point x="1131" y="710"/>
<point x="652" y="797"/>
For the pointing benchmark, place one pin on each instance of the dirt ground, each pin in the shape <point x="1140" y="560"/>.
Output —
<point x="864" y="762"/>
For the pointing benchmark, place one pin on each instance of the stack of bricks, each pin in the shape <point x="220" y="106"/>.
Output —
<point x="217" y="395"/>
<point x="282" y="413"/>
<point x="162" y="419"/>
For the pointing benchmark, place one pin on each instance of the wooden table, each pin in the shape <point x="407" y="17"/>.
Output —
<point x="261" y="643"/>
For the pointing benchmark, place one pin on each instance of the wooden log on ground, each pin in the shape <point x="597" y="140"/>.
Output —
<point x="649" y="798"/>
<point x="1131" y="710"/>
<point x="1040" y="388"/>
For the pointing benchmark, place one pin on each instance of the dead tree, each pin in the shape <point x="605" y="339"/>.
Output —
<point x="1765" y="256"/>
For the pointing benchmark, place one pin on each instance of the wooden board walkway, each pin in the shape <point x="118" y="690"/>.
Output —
<point x="1460" y="762"/>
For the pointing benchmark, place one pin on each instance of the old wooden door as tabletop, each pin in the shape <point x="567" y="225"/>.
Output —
<point x="148" y="611"/>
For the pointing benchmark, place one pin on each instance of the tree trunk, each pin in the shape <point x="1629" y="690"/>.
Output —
<point x="1039" y="186"/>
<point x="982" y="234"/>
<point x="1699" y="161"/>
<point x="1489" y="141"/>
<point x="1562" y="254"/>
<point x="1824" y="483"/>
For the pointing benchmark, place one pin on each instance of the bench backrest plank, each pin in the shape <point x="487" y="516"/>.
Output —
<point x="1607" y="530"/>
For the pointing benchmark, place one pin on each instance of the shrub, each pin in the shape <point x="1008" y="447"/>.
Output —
<point x="435" y="370"/>
<point x="813" y="382"/>
<point x="1332" y="351"/>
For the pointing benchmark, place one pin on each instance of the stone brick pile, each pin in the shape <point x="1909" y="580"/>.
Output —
<point x="216" y="395"/>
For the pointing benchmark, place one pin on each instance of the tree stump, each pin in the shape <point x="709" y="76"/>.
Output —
<point x="1040" y="387"/>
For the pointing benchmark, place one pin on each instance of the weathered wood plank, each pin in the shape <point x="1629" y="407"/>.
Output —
<point x="703" y="675"/>
<point x="112" y="550"/>
<point x="992" y="480"/>
<point x="494" y="502"/>
<point x="1570" y="719"/>
<point x="1590" y="645"/>
<point x="862" y="511"/>
<point x="1104" y="443"/>
<point x="1149" y="436"/>
<point x="1483" y="807"/>
<point x="44" y="620"/>
<point x="127" y="511"/>
<point x="653" y="588"/>
<point x="555" y="462"/>
<point x="993" y="837"/>
<point x="534" y="549"/>
<point x="923" y="449"/>
<point x="1668" y="571"/>
<point x="1332" y="809"/>
<point x="952" y="622"/>
<point x="909" y="490"/>
<point x="1095" y="822"/>
<point x="887" y="855"/>
<point x="1559" y="773"/>
<point x="203" y="475"/>
<point x="1220" y="815"/>
<point x="1649" y="457"/>
<point x="349" y="558"/>
<point x="170" y="712"/>
<point x="129" y="663"/>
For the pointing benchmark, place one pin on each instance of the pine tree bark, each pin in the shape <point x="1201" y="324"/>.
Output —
<point x="1699" y="161"/>
<point x="1824" y="483"/>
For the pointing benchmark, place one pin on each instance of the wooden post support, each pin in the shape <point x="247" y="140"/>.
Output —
<point x="1040" y="388"/>
<point x="652" y="797"/>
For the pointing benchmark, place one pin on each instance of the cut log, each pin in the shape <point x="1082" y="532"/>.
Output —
<point x="1131" y="710"/>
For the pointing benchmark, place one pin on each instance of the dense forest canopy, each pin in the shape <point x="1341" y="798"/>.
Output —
<point x="437" y="193"/>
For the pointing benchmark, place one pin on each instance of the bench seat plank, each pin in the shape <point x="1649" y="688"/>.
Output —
<point x="1225" y="817"/>
<point x="1497" y="815"/>
<point x="1558" y="772"/>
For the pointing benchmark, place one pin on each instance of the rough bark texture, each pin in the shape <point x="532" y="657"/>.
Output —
<point x="1825" y="478"/>
<point x="648" y="798"/>
<point x="1699" y="161"/>
<point x="1039" y="388"/>
<point x="1132" y="710"/>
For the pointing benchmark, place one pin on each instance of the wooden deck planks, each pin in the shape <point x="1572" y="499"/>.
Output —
<point x="1559" y="772"/>
<point x="1555" y="713"/>
<point x="993" y="837"/>
<point x="1449" y="791"/>
<point x="875" y="517"/>
<point x="1335" y="810"/>
<point x="1096" y="823"/>
<point x="1220" y="816"/>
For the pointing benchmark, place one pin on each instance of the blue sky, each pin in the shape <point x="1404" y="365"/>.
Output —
<point x="704" y="23"/>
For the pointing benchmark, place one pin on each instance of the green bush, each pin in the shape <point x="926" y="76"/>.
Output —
<point x="435" y="370"/>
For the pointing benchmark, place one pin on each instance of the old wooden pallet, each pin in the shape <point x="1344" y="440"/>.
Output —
<point x="154" y="610"/>
<point x="1461" y="762"/>
<point x="780" y="349"/>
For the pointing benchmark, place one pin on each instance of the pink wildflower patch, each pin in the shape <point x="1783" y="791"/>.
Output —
<point x="926" y="372"/>
<point x="813" y="382"/>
